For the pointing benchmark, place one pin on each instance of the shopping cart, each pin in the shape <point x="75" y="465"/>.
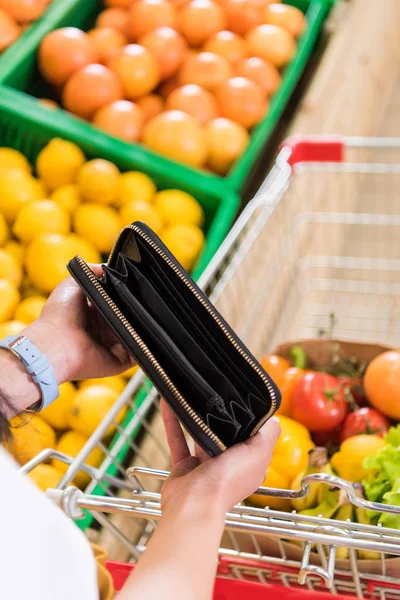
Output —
<point x="320" y="237"/>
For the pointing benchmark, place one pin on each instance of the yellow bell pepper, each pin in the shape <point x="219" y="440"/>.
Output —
<point x="290" y="457"/>
<point x="348" y="462"/>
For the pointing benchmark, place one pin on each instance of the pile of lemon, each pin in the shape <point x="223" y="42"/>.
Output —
<point x="66" y="426"/>
<point x="74" y="206"/>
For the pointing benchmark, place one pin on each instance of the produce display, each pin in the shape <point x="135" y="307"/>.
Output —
<point x="16" y="16"/>
<point x="187" y="79"/>
<point x="70" y="206"/>
<point x="340" y="419"/>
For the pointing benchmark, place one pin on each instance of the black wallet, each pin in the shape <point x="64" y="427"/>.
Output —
<point x="218" y="390"/>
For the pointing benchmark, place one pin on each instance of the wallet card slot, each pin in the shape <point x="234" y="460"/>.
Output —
<point x="150" y="298"/>
<point x="170" y="357"/>
<point x="184" y="312"/>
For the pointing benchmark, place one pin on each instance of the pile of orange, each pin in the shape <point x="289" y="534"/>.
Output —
<point x="187" y="78"/>
<point x="16" y="16"/>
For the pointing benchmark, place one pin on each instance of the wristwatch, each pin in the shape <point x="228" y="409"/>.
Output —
<point x="37" y="365"/>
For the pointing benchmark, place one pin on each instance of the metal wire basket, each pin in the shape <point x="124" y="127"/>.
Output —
<point x="320" y="237"/>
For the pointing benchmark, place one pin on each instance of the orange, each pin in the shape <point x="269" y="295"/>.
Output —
<point x="137" y="68"/>
<point x="261" y="72"/>
<point x="9" y="30"/>
<point x="288" y="17"/>
<point x="382" y="383"/>
<point x="151" y="106"/>
<point x="107" y="42"/>
<point x="194" y="100"/>
<point x="242" y="100"/>
<point x="206" y="69"/>
<point x="178" y="136"/>
<point x="123" y="119"/>
<point x="116" y="18"/>
<point x="226" y="142"/>
<point x="147" y="15"/>
<point x="91" y="88"/>
<point x="118" y="3"/>
<point x="168" y="47"/>
<point x="276" y="367"/>
<point x="227" y="44"/>
<point x="24" y="11"/>
<point x="274" y="478"/>
<point x="272" y="43"/>
<point x="243" y="15"/>
<point x="200" y="19"/>
<point x="64" y="51"/>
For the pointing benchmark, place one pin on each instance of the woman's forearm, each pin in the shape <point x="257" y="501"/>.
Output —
<point x="181" y="558"/>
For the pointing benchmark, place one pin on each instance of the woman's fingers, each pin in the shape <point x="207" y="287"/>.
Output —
<point x="176" y="440"/>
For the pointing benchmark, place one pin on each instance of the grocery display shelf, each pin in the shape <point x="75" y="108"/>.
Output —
<point x="28" y="128"/>
<point x="25" y="127"/>
<point x="21" y="74"/>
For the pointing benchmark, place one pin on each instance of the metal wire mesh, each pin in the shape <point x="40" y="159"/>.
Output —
<point x="319" y="240"/>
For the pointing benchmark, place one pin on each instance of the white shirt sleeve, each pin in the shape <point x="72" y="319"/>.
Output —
<point x="43" y="555"/>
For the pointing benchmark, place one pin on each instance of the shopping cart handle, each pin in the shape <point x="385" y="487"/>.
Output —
<point x="308" y="148"/>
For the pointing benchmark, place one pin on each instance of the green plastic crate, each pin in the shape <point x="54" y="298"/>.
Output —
<point x="21" y="74"/>
<point x="26" y="127"/>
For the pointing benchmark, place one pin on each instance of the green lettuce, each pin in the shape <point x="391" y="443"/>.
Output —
<point x="385" y="467"/>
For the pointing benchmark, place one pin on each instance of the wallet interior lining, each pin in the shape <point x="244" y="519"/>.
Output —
<point x="189" y="381"/>
<point x="211" y="343"/>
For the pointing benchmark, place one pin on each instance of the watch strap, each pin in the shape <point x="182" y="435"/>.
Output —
<point x="36" y="365"/>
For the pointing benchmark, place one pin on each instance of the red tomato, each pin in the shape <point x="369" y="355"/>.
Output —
<point x="319" y="402"/>
<point x="355" y="387"/>
<point x="328" y="438"/>
<point x="364" y="420"/>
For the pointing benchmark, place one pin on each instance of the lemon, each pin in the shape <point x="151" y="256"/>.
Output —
<point x="99" y="181"/>
<point x="99" y="224"/>
<point x="59" y="162"/>
<point x="176" y="206"/>
<point x="115" y="383"/>
<point x="9" y="298"/>
<point x="45" y="476"/>
<point x="13" y="159"/>
<point x="29" y="309"/>
<point x="185" y="242"/>
<point x="41" y="216"/>
<point x="91" y="406"/>
<point x="84" y="248"/>
<point x="4" y="233"/>
<point x="130" y="372"/>
<point x="71" y="443"/>
<point x="11" y="328"/>
<point x="30" y="435"/>
<point x="46" y="259"/>
<point x="27" y="289"/>
<point x="137" y="210"/>
<point x="136" y="186"/>
<point x="56" y="414"/>
<point x="10" y="268"/>
<point x="16" y="250"/>
<point x="17" y="188"/>
<point x="67" y="196"/>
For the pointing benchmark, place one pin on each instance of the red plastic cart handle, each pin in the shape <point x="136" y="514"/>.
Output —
<point x="319" y="148"/>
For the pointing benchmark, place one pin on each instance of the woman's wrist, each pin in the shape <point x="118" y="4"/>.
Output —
<point x="16" y="382"/>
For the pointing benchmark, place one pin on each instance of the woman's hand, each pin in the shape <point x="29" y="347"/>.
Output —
<point x="75" y="337"/>
<point x="222" y="481"/>
<point x="76" y="340"/>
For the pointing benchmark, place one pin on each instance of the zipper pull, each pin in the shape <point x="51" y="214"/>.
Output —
<point x="217" y="403"/>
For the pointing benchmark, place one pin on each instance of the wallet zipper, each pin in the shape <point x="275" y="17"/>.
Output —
<point x="216" y="319"/>
<point x="198" y="420"/>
